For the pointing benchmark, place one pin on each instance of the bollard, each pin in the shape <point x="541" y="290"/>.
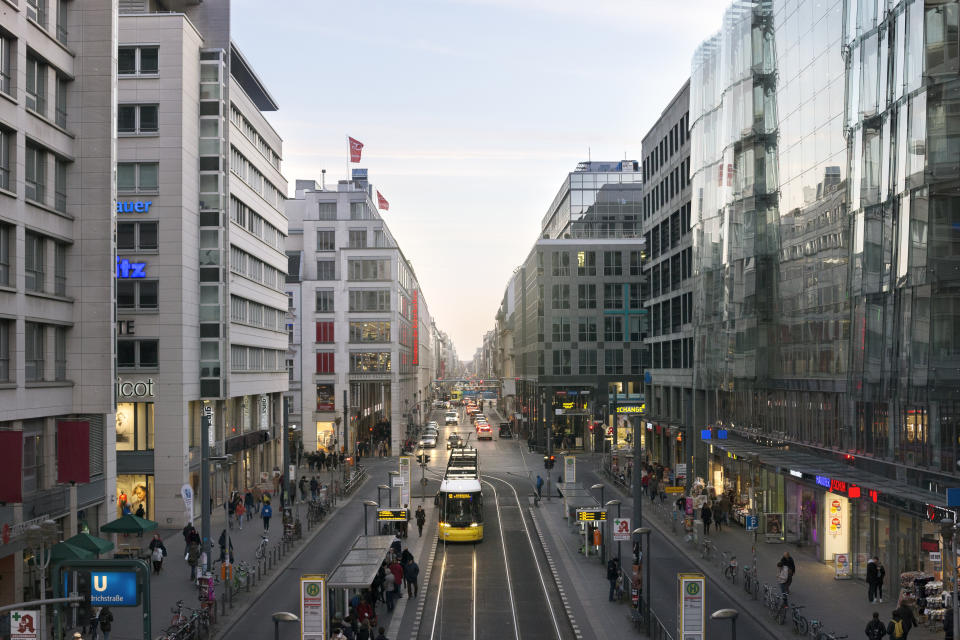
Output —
<point x="230" y="592"/>
<point x="248" y="583"/>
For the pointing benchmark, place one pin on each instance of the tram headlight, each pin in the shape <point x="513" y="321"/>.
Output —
<point x="474" y="524"/>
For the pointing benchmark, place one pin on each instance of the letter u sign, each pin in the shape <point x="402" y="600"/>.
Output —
<point x="99" y="582"/>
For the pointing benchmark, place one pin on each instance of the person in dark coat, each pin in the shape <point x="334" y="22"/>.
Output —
<point x="948" y="624"/>
<point x="873" y="579"/>
<point x="905" y="614"/>
<point x="706" y="514"/>
<point x="875" y="628"/>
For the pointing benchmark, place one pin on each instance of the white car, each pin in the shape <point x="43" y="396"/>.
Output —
<point x="451" y="417"/>
<point x="427" y="442"/>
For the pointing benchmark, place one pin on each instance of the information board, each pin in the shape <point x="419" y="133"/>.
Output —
<point x="691" y="614"/>
<point x="591" y="515"/>
<point x="392" y="515"/>
<point x="313" y="607"/>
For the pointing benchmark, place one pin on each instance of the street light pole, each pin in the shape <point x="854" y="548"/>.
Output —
<point x="727" y="614"/>
<point x="647" y="559"/>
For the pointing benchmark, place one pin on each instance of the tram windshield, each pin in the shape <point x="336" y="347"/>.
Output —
<point x="461" y="509"/>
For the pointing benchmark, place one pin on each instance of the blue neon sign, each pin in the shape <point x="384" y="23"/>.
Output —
<point x="823" y="481"/>
<point x="127" y="269"/>
<point x="137" y="206"/>
<point x="705" y="434"/>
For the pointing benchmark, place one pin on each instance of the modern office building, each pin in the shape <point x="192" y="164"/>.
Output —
<point x="57" y="148"/>
<point x="201" y="308"/>
<point x="579" y="319"/>
<point x="365" y="328"/>
<point x="823" y="168"/>
<point x="668" y="271"/>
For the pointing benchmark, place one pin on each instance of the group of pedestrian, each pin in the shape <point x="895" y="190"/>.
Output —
<point x="323" y="461"/>
<point x="902" y="620"/>
<point x="100" y="621"/>
<point x="191" y="542"/>
<point x="786" y="568"/>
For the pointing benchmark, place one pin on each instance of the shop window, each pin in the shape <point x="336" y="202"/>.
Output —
<point x="135" y="426"/>
<point x="135" y="495"/>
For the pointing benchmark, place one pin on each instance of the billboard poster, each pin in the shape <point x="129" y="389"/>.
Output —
<point x="405" y="481"/>
<point x="325" y="397"/>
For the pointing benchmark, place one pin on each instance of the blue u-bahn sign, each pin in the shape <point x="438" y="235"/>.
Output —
<point x="110" y="588"/>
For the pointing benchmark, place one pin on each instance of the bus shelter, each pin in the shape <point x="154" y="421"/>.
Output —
<point x="356" y="571"/>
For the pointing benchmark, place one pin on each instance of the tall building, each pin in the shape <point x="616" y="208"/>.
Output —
<point x="57" y="148"/>
<point x="580" y="321"/>
<point x="669" y="273"/>
<point x="825" y="300"/>
<point x="365" y="328"/>
<point x="201" y="228"/>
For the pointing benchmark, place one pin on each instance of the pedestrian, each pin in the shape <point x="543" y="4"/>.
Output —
<point x="903" y="621"/>
<point x="791" y="566"/>
<point x="240" y="510"/>
<point x="539" y="486"/>
<point x="410" y="573"/>
<point x="881" y="574"/>
<point x="873" y="579"/>
<point x="94" y="624"/>
<point x="248" y="504"/>
<point x="396" y="546"/>
<point x="397" y="571"/>
<point x="380" y="634"/>
<point x="875" y="629"/>
<point x="613" y="572"/>
<point x="724" y="505"/>
<point x="364" y="632"/>
<point x="265" y="512"/>
<point x="783" y="575"/>
<point x="186" y="537"/>
<point x="389" y="588"/>
<point x="157" y="553"/>
<point x="303" y="489"/>
<point x="106" y="622"/>
<point x="706" y="514"/>
<point x="193" y="556"/>
<point x="421" y="519"/>
<point x="654" y="485"/>
<point x="313" y="488"/>
<point x="559" y="482"/>
<point x="231" y="509"/>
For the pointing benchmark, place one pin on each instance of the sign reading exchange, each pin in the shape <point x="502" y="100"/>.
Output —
<point x="632" y="408"/>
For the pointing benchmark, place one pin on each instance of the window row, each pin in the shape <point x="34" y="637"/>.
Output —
<point x="39" y="164"/>
<point x="44" y="262"/>
<point x="253" y="222"/>
<point x="256" y="269"/>
<point x="45" y="352"/>
<point x="138" y="177"/>
<point x="671" y="143"/>
<point x="138" y="119"/>
<point x="137" y="236"/>
<point x="141" y="353"/>
<point x="362" y="300"/>
<point x="368" y="269"/>
<point x="248" y="172"/>
<point x="39" y="11"/>
<point x="250" y="133"/>
<point x="243" y="358"/>
<point x="139" y="61"/>
<point x="671" y="315"/>
<point x="613" y="295"/>
<point x="256" y="314"/>
<point x="671" y="185"/>
<point x="669" y="274"/>
<point x="671" y="354"/>
<point x="668" y="234"/>
<point x="357" y="239"/>
<point x="588" y="361"/>
<point x="138" y="295"/>
<point x="614" y="329"/>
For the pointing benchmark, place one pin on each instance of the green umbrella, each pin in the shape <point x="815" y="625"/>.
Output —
<point x="64" y="551"/>
<point x="90" y="543"/>
<point x="129" y="524"/>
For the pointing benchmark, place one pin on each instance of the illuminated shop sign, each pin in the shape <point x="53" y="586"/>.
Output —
<point x="637" y="408"/>
<point x="823" y="481"/>
<point x="136" y="206"/>
<point x="127" y="269"/>
<point x="139" y="389"/>
<point x="796" y="474"/>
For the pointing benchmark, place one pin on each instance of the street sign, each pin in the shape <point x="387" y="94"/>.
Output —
<point x="112" y="588"/>
<point x="313" y="607"/>
<point x="681" y="469"/>
<point x="591" y="515"/>
<point x="569" y="469"/>
<point x="752" y="523"/>
<point x="691" y="613"/>
<point x="631" y="408"/>
<point x="621" y="530"/>
<point x="673" y="489"/>
<point x="392" y="515"/>
<point x="953" y="497"/>
<point x="24" y="625"/>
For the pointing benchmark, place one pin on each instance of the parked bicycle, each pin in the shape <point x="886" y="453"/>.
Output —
<point x="262" y="546"/>
<point x="706" y="549"/>
<point x="751" y="583"/>
<point x="800" y="625"/>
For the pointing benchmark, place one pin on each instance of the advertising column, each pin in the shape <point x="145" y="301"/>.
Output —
<point x="836" y="541"/>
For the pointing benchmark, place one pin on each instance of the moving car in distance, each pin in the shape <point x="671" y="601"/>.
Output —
<point x="427" y="442"/>
<point x="450" y="417"/>
<point x="484" y="432"/>
<point x="454" y="440"/>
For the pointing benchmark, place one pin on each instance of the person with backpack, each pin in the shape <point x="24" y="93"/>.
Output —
<point x="106" y="622"/>
<point x="613" y="571"/>
<point x="875" y="629"/>
<point x="266" y="511"/>
<point x="901" y="624"/>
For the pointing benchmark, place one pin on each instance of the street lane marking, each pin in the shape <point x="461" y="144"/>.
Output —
<point x="506" y="562"/>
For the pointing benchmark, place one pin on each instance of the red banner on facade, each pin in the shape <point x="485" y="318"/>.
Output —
<point x="11" y="466"/>
<point x="382" y="202"/>
<point x="73" y="451"/>
<point x="356" y="148"/>
<point x="416" y="327"/>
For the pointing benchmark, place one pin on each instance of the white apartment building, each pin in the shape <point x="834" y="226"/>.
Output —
<point x="57" y="149"/>
<point x="358" y="320"/>
<point x="200" y="278"/>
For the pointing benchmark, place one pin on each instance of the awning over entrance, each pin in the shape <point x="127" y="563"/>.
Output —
<point x="835" y="476"/>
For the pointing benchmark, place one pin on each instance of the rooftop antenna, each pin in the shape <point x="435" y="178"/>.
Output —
<point x="323" y="179"/>
<point x="588" y="154"/>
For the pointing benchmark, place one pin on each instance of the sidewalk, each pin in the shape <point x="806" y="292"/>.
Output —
<point x="841" y="605"/>
<point x="174" y="582"/>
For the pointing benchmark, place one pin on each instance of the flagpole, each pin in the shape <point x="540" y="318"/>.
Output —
<point x="349" y="151"/>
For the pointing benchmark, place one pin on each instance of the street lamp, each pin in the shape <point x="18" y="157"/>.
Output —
<point x="645" y="531"/>
<point x="600" y="486"/>
<point x="727" y="614"/>
<point x="367" y="503"/>
<point x="381" y="487"/>
<point x="393" y="474"/>
<point x="611" y="503"/>
<point x="282" y="616"/>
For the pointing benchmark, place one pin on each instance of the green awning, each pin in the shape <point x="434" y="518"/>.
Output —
<point x="90" y="543"/>
<point x="64" y="551"/>
<point x="129" y="524"/>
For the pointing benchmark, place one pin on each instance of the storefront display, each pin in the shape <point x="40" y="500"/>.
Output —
<point x="135" y="495"/>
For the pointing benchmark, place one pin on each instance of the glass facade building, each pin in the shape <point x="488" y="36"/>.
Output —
<point x="824" y="163"/>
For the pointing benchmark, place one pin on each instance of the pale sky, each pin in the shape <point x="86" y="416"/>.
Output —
<point x="471" y="113"/>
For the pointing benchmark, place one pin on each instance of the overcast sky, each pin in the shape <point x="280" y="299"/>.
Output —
<point x="472" y="112"/>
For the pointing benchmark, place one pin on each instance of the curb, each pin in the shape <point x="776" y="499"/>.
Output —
<point x="422" y="598"/>
<point x="267" y="582"/>
<point x="556" y="576"/>
<point x="775" y="631"/>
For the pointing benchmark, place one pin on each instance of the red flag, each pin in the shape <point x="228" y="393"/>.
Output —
<point x="73" y="451"/>
<point x="11" y="466"/>
<point x="356" y="147"/>
<point x="382" y="202"/>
